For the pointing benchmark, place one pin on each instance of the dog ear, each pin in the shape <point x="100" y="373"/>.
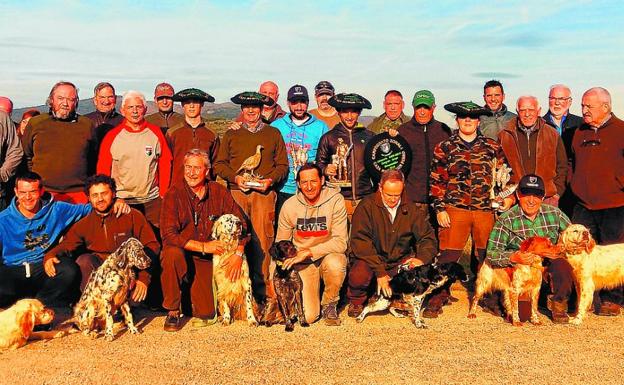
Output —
<point x="122" y="258"/>
<point x="26" y="322"/>
<point x="590" y="245"/>
<point x="273" y="251"/>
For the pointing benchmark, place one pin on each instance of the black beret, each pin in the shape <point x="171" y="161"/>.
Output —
<point x="470" y="109"/>
<point x="194" y="94"/>
<point x="252" y="98"/>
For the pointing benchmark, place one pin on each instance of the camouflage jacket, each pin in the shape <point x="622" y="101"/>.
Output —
<point x="461" y="176"/>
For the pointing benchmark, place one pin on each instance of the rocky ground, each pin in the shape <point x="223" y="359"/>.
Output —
<point x="382" y="350"/>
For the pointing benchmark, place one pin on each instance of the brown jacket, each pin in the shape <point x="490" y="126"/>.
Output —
<point x="183" y="138"/>
<point x="383" y="244"/>
<point x="543" y="154"/>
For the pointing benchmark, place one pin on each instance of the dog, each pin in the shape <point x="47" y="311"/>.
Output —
<point x="107" y="291"/>
<point x="413" y="285"/>
<point x="517" y="280"/>
<point x="18" y="321"/>
<point x="288" y="288"/>
<point x="594" y="266"/>
<point x="232" y="297"/>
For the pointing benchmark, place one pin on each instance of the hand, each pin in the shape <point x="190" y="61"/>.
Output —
<point x="507" y="203"/>
<point x="213" y="247"/>
<point x="331" y="170"/>
<point x="235" y="126"/>
<point x="120" y="207"/>
<point x="240" y="182"/>
<point x="266" y="183"/>
<point x="301" y="256"/>
<point x="413" y="262"/>
<point x="383" y="286"/>
<point x="233" y="267"/>
<point x="393" y="132"/>
<point x="49" y="268"/>
<point x="522" y="258"/>
<point x="140" y="292"/>
<point x="443" y="219"/>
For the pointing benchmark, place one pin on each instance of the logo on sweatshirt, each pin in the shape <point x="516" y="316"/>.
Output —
<point x="149" y="150"/>
<point x="312" y="227"/>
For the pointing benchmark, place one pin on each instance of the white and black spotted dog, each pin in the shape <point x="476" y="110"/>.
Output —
<point x="108" y="289"/>
<point x="234" y="299"/>
<point x="413" y="285"/>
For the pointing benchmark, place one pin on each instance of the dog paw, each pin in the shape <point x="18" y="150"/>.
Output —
<point x="253" y="323"/>
<point x="472" y="316"/>
<point x="517" y="323"/>
<point x="576" y="321"/>
<point x="134" y="330"/>
<point x="109" y="337"/>
<point x="420" y="325"/>
<point x="304" y="324"/>
<point x="536" y="322"/>
<point x="290" y="328"/>
<point x="359" y="320"/>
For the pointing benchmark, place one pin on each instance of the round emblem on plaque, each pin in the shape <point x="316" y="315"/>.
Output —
<point x="384" y="152"/>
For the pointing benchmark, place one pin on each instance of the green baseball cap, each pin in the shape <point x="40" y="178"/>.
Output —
<point x="423" y="97"/>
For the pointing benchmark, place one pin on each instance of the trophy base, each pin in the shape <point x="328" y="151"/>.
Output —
<point x="339" y="184"/>
<point x="252" y="183"/>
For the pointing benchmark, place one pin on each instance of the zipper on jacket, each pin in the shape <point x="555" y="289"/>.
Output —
<point x="353" y="196"/>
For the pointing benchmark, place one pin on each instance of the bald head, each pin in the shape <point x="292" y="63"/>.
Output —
<point x="596" y="106"/>
<point x="269" y="89"/>
<point x="6" y="105"/>
<point x="528" y="110"/>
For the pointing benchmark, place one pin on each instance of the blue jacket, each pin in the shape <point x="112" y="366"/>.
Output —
<point x="306" y="136"/>
<point x="27" y="240"/>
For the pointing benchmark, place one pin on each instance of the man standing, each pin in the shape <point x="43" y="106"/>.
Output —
<point x="135" y="154"/>
<point x="189" y="212"/>
<point x="192" y="133"/>
<point x="104" y="117"/>
<point x="315" y="220"/>
<point x="324" y="91"/>
<point x="62" y="146"/>
<point x="532" y="217"/>
<point x="598" y="177"/>
<point x="10" y="157"/>
<point x="301" y="132"/>
<point x="352" y="136"/>
<point x="387" y="231"/>
<point x="498" y="115"/>
<point x="101" y="233"/>
<point x="393" y="116"/>
<point x="559" y="116"/>
<point x="165" y="117"/>
<point x="258" y="149"/>
<point x="533" y="147"/>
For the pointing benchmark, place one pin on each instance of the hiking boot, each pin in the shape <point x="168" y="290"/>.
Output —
<point x="199" y="322"/>
<point x="330" y="314"/>
<point x="432" y="312"/>
<point x="354" y="310"/>
<point x="559" y="311"/>
<point x="173" y="322"/>
<point x="609" y="309"/>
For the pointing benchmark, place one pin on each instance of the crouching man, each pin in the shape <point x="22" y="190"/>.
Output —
<point x="387" y="231"/>
<point x="315" y="220"/>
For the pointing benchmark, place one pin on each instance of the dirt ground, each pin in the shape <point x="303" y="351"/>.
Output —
<point x="381" y="350"/>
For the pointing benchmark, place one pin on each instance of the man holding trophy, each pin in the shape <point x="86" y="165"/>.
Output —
<point x="253" y="161"/>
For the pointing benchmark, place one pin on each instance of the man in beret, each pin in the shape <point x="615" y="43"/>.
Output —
<point x="270" y="112"/>
<point x="498" y="115"/>
<point x="192" y="132"/>
<point x="301" y="132"/>
<point x="393" y="115"/>
<point x="259" y="147"/>
<point x="323" y="91"/>
<point x="165" y="117"/>
<point x="355" y="136"/>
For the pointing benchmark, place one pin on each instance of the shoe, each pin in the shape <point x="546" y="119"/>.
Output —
<point x="198" y="322"/>
<point x="330" y="314"/>
<point x="354" y="310"/>
<point x="558" y="310"/>
<point x="609" y="309"/>
<point x="432" y="312"/>
<point x="173" y="322"/>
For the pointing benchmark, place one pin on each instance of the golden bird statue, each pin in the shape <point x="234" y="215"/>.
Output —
<point x="251" y="163"/>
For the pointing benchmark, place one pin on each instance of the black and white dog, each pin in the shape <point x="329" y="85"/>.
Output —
<point x="413" y="285"/>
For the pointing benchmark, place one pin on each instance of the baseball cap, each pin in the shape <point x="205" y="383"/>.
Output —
<point x="423" y="97"/>
<point x="163" y="89"/>
<point x="297" y="92"/>
<point x="532" y="184"/>
<point x="324" y="87"/>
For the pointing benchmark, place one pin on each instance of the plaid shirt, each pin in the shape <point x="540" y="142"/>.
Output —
<point x="513" y="227"/>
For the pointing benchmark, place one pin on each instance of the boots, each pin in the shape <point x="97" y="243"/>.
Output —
<point x="559" y="310"/>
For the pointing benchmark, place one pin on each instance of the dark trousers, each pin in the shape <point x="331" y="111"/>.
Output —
<point x="561" y="279"/>
<point x="151" y="211"/>
<point x="55" y="291"/>
<point x="279" y="202"/>
<point x="359" y="281"/>
<point x="606" y="227"/>
<point x="87" y="263"/>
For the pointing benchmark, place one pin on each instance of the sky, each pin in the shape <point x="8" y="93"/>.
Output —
<point x="224" y="47"/>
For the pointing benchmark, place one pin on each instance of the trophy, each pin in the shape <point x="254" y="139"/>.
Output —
<point x="339" y="159"/>
<point x="248" y="166"/>
<point x="299" y="156"/>
<point x="499" y="190"/>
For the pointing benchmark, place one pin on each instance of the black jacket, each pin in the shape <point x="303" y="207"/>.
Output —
<point x="361" y="183"/>
<point x="569" y="126"/>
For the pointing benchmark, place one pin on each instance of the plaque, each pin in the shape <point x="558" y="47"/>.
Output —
<point x="384" y="152"/>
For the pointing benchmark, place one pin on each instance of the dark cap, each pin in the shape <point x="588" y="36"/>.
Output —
<point x="193" y="94"/>
<point x="532" y="184"/>
<point x="298" y="93"/>
<point x="163" y="89"/>
<point x="324" y="87"/>
<point x="469" y="109"/>
<point x="251" y="98"/>
<point x="343" y="101"/>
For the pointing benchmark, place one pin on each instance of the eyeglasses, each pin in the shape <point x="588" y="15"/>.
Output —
<point x="590" y="143"/>
<point x="560" y="100"/>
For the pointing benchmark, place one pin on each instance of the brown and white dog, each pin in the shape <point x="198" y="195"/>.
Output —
<point x="594" y="266"/>
<point x="517" y="280"/>
<point x="18" y="321"/>
<point x="234" y="299"/>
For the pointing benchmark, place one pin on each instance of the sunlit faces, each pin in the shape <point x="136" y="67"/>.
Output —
<point x="192" y="108"/>
<point x="28" y="194"/>
<point x="391" y="192"/>
<point x="164" y="104"/>
<point x="310" y="185"/>
<point x="530" y="204"/>
<point x="195" y="171"/>
<point x="423" y="114"/>
<point x="559" y="101"/>
<point x="528" y="111"/>
<point x="251" y="114"/>
<point x="494" y="98"/>
<point x="349" y="117"/>
<point x="64" y="101"/>
<point x="468" y="125"/>
<point x="134" y="110"/>
<point x="271" y="90"/>
<point x="595" y="110"/>
<point x="101" y="197"/>
<point x="393" y="106"/>
<point x="298" y="108"/>
<point x="322" y="101"/>
<point x="104" y="100"/>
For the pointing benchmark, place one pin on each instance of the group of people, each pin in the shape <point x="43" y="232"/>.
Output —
<point x="82" y="185"/>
